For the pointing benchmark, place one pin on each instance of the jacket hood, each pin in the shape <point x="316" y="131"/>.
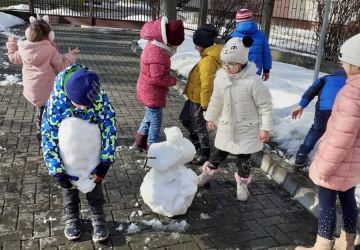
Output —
<point x="213" y="51"/>
<point x="35" y="52"/>
<point x="248" y="28"/>
<point x="155" y="30"/>
<point x="354" y="81"/>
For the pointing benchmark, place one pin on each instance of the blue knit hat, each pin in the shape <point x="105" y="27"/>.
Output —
<point x="83" y="87"/>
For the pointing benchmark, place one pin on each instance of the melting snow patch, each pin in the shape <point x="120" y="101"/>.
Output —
<point x="204" y="216"/>
<point x="133" y="228"/>
<point x="50" y="219"/>
<point x="119" y="228"/>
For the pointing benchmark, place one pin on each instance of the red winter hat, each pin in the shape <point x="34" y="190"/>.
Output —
<point x="175" y="33"/>
<point x="243" y="15"/>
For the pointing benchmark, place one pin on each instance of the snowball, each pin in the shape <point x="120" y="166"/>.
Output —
<point x="80" y="149"/>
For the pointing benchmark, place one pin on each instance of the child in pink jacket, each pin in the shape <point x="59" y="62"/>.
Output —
<point x="336" y="166"/>
<point x="41" y="62"/>
<point x="155" y="80"/>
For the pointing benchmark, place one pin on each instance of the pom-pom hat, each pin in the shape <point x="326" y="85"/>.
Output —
<point x="175" y="32"/>
<point x="205" y="35"/>
<point x="350" y="51"/>
<point x="243" y="15"/>
<point x="83" y="87"/>
<point x="236" y="50"/>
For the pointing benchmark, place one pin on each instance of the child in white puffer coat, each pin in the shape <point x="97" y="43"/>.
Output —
<point x="241" y="108"/>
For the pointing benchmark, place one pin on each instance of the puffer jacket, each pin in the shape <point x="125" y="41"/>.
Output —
<point x="154" y="79"/>
<point x="326" y="88"/>
<point x="240" y="107"/>
<point x="259" y="52"/>
<point x="200" y="82"/>
<point x="60" y="107"/>
<point x="338" y="154"/>
<point x="41" y="62"/>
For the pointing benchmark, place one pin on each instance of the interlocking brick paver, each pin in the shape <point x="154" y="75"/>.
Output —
<point x="31" y="202"/>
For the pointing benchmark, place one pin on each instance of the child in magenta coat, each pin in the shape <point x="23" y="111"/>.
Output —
<point x="154" y="81"/>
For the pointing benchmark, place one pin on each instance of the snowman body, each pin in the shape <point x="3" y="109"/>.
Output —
<point x="80" y="149"/>
<point x="169" y="187"/>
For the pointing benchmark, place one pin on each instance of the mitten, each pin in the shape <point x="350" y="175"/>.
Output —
<point x="100" y="171"/>
<point x="64" y="180"/>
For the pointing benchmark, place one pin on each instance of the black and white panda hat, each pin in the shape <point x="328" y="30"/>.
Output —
<point x="236" y="50"/>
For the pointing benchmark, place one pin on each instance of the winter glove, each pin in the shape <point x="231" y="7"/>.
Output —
<point x="64" y="180"/>
<point x="100" y="171"/>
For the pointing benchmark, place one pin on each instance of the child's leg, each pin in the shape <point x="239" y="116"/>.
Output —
<point x="350" y="218"/>
<point x="199" y="124"/>
<point x="349" y="210"/>
<point x="142" y="133"/>
<point x="72" y="217"/>
<point x="243" y="165"/>
<point x="39" y="114"/>
<point x="185" y="118"/>
<point x="242" y="176"/>
<point x="186" y="121"/>
<point x="211" y="167"/>
<point x="327" y="213"/>
<point x="316" y="131"/>
<point x="96" y="202"/>
<point x="155" y="117"/>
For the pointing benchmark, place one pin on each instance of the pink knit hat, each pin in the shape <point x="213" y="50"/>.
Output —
<point x="243" y="15"/>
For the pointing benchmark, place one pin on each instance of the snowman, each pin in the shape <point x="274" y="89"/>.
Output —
<point x="80" y="149"/>
<point x="169" y="187"/>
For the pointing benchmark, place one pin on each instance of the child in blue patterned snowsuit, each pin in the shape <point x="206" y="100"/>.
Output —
<point x="77" y="93"/>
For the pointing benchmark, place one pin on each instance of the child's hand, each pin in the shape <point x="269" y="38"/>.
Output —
<point x="264" y="135"/>
<point x="296" y="113"/>
<point x="74" y="51"/>
<point x="12" y="38"/>
<point x="211" y="125"/>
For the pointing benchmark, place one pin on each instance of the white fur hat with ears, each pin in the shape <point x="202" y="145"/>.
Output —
<point x="32" y="19"/>
<point x="236" y="50"/>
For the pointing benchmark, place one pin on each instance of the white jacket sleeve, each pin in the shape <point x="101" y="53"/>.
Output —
<point x="263" y="101"/>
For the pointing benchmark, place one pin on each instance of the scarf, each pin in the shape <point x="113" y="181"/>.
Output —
<point x="168" y="49"/>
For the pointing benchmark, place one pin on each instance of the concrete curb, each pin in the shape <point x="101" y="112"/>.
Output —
<point x="296" y="183"/>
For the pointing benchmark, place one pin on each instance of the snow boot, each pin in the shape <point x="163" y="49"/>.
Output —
<point x="242" y="192"/>
<point x="194" y="138"/>
<point x="320" y="244"/>
<point x="346" y="241"/>
<point x="72" y="226"/>
<point x="207" y="174"/>
<point x="101" y="232"/>
<point x="140" y="142"/>
<point x="300" y="161"/>
<point x="202" y="158"/>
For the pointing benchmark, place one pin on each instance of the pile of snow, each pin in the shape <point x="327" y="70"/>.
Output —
<point x="8" y="21"/>
<point x="169" y="187"/>
<point x="80" y="148"/>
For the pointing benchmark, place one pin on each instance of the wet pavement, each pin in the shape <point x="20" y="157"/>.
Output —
<point x="31" y="202"/>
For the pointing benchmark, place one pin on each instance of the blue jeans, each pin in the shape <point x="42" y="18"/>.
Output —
<point x="316" y="131"/>
<point x="327" y="213"/>
<point x="151" y="124"/>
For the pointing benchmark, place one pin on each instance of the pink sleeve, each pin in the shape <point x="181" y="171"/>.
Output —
<point x="60" y="62"/>
<point x="13" y="53"/>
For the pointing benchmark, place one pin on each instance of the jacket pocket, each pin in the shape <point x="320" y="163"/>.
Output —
<point x="250" y="121"/>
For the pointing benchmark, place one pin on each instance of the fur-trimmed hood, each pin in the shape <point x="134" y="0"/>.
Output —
<point x="155" y="30"/>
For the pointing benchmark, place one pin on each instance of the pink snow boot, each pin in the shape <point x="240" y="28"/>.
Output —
<point x="242" y="192"/>
<point x="207" y="174"/>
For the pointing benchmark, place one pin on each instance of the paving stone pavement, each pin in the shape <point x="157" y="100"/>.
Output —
<point x="31" y="203"/>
